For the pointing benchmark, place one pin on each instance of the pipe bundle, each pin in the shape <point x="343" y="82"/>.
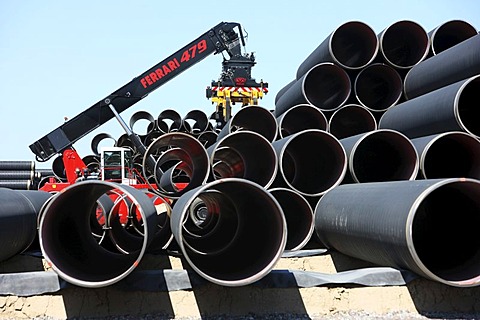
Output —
<point x="18" y="175"/>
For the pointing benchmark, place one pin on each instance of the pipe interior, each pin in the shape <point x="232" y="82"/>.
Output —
<point x="68" y="242"/>
<point x="259" y="238"/>
<point x="313" y="162"/>
<point x="404" y="44"/>
<point x="354" y="45"/>
<point x="301" y="118"/>
<point x="351" y="120"/>
<point x="450" y="34"/>
<point x="453" y="156"/>
<point x="256" y="119"/>
<point x="298" y="215"/>
<point x="384" y="156"/>
<point x="468" y="110"/>
<point x="445" y="231"/>
<point x="327" y="86"/>
<point x="378" y="87"/>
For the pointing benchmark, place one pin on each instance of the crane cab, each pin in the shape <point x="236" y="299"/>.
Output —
<point x="117" y="165"/>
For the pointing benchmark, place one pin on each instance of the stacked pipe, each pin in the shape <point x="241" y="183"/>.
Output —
<point x="342" y="158"/>
<point x="401" y="104"/>
<point x="19" y="175"/>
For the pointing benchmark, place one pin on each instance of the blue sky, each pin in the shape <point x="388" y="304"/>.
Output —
<point x="58" y="58"/>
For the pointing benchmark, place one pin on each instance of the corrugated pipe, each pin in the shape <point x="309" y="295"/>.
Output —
<point x="231" y="231"/>
<point x="18" y="175"/>
<point x="17" y="165"/>
<point x="427" y="226"/>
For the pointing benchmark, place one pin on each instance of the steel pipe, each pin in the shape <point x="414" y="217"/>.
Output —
<point x="18" y="216"/>
<point x="68" y="245"/>
<point x="145" y="117"/>
<point x="231" y="231"/>
<point x="452" y="65"/>
<point x="449" y="34"/>
<point x="207" y="138"/>
<point x="404" y="44"/>
<point x="326" y="86"/>
<point x="311" y="162"/>
<point x="427" y="226"/>
<point x="169" y="121"/>
<point x="353" y="45"/>
<point x="244" y="154"/>
<point x="190" y="153"/>
<point x="197" y="122"/>
<point x="17" y="175"/>
<point x="448" y="155"/>
<point x="283" y="90"/>
<point x="298" y="216"/>
<point x="301" y="117"/>
<point x="252" y="118"/>
<point x="58" y="168"/>
<point x="17" y="165"/>
<point x="350" y="120"/>
<point x="16" y="184"/>
<point x="92" y="162"/>
<point x="380" y="155"/>
<point x="451" y="108"/>
<point x="99" y="138"/>
<point x="378" y="87"/>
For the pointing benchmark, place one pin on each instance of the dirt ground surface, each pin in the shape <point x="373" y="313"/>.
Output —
<point x="418" y="299"/>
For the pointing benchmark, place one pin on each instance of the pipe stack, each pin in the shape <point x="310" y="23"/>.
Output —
<point x="18" y="175"/>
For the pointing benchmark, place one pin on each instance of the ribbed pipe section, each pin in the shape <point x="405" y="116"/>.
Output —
<point x="427" y="226"/>
<point x="17" y="165"/>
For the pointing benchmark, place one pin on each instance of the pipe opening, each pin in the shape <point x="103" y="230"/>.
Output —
<point x="256" y="119"/>
<point x="249" y="251"/>
<point x="354" y="45"/>
<point x="351" y="120"/>
<point x="326" y="86"/>
<point x="445" y="232"/>
<point x="301" y="117"/>
<point x="450" y="34"/>
<point x="313" y="162"/>
<point x="404" y="44"/>
<point x="468" y="110"/>
<point x="384" y="156"/>
<point x="378" y="87"/>
<point x="452" y="156"/>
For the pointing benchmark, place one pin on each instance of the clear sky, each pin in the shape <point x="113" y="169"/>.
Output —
<point x="58" y="58"/>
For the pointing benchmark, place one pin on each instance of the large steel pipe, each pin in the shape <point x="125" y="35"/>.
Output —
<point x="326" y="86"/>
<point x="451" y="154"/>
<point x="283" y="90"/>
<point x="451" y="108"/>
<point x="404" y="44"/>
<point x="353" y="45"/>
<point x="18" y="216"/>
<point x="427" y="226"/>
<point x="244" y="154"/>
<point x="169" y="121"/>
<point x="378" y="87"/>
<point x="67" y="242"/>
<point x="231" y="231"/>
<point x="145" y="118"/>
<point x="449" y="34"/>
<point x="350" y="120"/>
<point x="298" y="215"/>
<point x="207" y="138"/>
<point x="58" y="168"/>
<point x="380" y="155"/>
<point x="195" y="122"/>
<point x="17" y="165"/>
<point x="252" y="118"/>
<point x="99" y="138"/>
<point x="182" y="153"/>
<point x="311" y="162"/>
<point x="301" y="117"/>
<point x="452" y="65"/>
